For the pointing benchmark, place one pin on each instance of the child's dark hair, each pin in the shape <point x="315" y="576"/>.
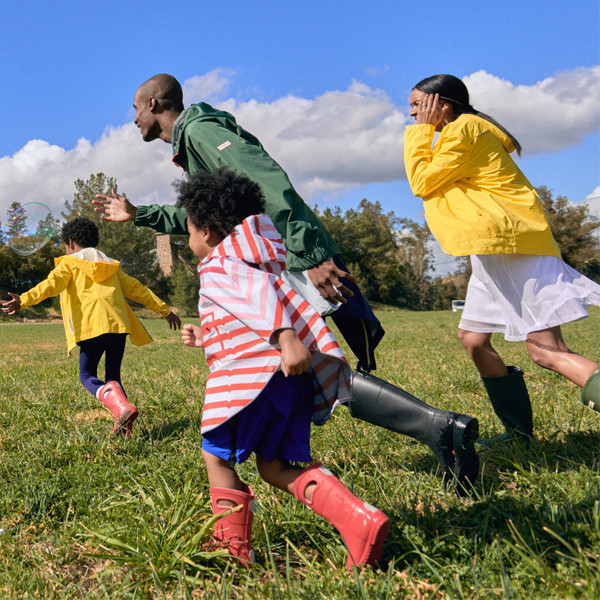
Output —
<point x="219" y="200"/>
<point x="82" y="231"/>
<point x="453" y="90"/>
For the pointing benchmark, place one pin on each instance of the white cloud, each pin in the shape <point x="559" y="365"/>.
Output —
<point x="328" y="144"/>
<point x="593" y="203"/>
<point x="41" y="172"/>
<point x="208" y="87"/>
<point x="545" y="117"/>
<point x="338" y="139"/>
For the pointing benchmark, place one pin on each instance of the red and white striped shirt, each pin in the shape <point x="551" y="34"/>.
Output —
<point x="243" y="302"/>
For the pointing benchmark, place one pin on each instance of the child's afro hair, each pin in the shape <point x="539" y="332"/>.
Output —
<point x="82" y="231"/>
<point x="219" y="200"/>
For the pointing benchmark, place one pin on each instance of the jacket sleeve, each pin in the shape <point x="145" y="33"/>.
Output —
<point x="138" y="292"/>
<point x="56" y="282"/>
<point x="164" y="219"/>
<point x="209" y="145"/>
<point x="430" y="171"/>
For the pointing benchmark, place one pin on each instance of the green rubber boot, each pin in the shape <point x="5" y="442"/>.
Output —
<point x="510" y="400"/>
<point x="590" y="394"/>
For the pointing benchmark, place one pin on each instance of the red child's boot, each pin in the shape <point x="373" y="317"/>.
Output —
<point x="235" y="529"/>
<point x="111" y="394"/>
<point x="362" y="526"/>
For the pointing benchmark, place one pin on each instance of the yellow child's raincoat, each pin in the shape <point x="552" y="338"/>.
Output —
<point x="92" y="298"/>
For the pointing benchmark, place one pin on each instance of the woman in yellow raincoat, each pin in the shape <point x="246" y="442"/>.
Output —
<point x="478" y="203"/>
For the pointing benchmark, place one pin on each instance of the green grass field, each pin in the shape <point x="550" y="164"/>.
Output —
<point x="84" y="516"/>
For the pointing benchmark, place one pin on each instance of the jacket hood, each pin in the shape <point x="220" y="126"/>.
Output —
<point x="255" y="241"/>
<point x="204" y="112"/>
<point x="506" y="142"/>
<point x="93" y="263"/>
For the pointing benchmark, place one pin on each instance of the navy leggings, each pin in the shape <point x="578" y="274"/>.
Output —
<point x="110" y="344"/>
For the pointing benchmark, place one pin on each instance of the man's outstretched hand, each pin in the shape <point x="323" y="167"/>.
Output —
<point x="114" y="208"/>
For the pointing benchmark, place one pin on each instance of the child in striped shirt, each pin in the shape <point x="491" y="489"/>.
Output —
<point x="274" y="367"/>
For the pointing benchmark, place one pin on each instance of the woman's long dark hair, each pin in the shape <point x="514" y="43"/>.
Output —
<point x="453" y="90"/>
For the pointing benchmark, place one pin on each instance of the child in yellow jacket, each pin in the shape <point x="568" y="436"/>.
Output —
<point x="95" y="314"/>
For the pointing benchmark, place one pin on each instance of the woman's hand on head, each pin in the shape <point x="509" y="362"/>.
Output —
<point x="430" y="111"/>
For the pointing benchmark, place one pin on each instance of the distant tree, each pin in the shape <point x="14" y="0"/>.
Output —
<point x="85" y="191"/>
<point x="574" y="230"/>
<point x="134" y="247"/>
<point x="366" y="238"/>
<point x="388" y="255"/>
<point x="443" y="291"/>
<point x="184" y="289"/>
<point x="18" y="224"/>
<point x="20" y="273"/>
<point x="415" y="256"/>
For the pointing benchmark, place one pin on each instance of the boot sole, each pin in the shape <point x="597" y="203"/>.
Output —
<point x="374" y="545"/>
<point x="465" y="433"/>
<point x="126" y="418"/>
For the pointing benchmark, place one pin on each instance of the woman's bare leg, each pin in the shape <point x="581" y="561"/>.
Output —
<point x="548" y="349"/>
<point x="482" y="353"/>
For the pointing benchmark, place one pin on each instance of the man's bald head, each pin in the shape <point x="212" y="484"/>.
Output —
<point x="166" y="89"/>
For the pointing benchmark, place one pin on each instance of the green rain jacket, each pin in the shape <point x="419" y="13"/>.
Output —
<point x="206" y="138"/>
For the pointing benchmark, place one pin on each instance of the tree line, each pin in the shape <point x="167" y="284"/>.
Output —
<point x="390" y="256"/>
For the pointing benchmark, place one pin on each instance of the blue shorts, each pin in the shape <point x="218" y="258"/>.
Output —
<point x="275" y="425"/>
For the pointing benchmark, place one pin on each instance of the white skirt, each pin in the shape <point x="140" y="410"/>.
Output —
<point x="516" y="294"/>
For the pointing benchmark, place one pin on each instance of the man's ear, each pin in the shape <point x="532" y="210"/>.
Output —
<point x="152" y="103"/>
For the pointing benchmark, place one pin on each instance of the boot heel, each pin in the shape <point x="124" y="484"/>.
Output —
<point x="465" y="432"/>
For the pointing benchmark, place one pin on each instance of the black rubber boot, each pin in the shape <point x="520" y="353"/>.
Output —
<point x="590" y="394"/>
<point x="510" y="400"/>
<point x="450" y="435"/>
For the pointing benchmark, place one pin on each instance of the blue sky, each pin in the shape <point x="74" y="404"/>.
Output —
<point x="324" y="85"/>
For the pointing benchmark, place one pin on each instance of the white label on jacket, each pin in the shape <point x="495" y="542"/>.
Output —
<point x="223" y="145"/>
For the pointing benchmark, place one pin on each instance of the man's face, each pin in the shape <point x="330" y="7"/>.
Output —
<point x="145" y="119"/>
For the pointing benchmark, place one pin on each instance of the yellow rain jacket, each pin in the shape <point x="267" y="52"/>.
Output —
<point x="477" y="201"/>
<point x="92" y="299"/>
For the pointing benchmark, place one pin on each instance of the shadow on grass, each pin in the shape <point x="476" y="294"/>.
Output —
<point x="169" y="429"/>
<point x="455" y="531"/>
<point x="562" y="452"/>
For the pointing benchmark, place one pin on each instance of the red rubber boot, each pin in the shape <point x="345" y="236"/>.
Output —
<point x="235" y="530"/>
<point x="111" y="394"/>
<point x="362" y="526"/>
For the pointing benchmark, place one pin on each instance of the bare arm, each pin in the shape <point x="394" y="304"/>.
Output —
<point x="295" y="357"/>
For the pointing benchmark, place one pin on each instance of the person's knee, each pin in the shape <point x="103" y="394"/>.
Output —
<point x="268" y="471"/>
<point x="265" y="469"/>
<point x="470" y="341"/>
